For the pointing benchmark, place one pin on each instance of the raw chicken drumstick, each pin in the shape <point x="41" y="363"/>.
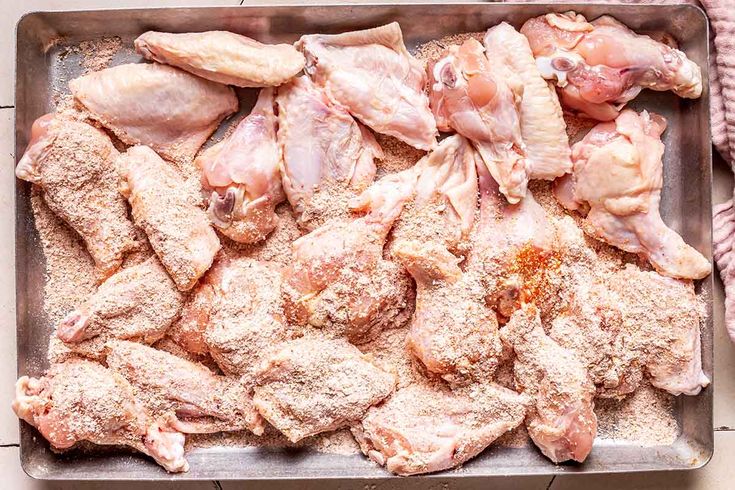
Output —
<point x="327" y="156"/>
<point x="372" y="74"/>
<point x="165" y="108"/>
<point x="242" y="178"/>
<point x="196" y="400"/>
<point x="311" y="386"/>
<point x="601" y="65"/>
<point x="83" y="401"/>
<point x="618" y="175"/>
<point x="482" y="101"/>
<point x="425" y="428"/>
<point x="223" y="57"/>
<point x="179" y="232"/>
<point x="74" y="164"/>
<point x="561" y="420"/>
<point x="138" y="303"/>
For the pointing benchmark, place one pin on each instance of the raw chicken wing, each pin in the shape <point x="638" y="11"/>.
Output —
<point x="241" y="176"/>
<point x="165" y="108"/>
<point x="179" y="232"/>
<point x="372" y="74"/>
<point x="223" y="57"/>
<point x="83" y="401"/>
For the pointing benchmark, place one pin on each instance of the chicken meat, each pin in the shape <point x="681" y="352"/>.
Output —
<point x="482" y="101"/>
<point x="178" y="231"/>
<point x="83" y="401"/>
<point x="424" y="428"/>
<point x="194" y="399"/>
<point x="163" y="107"/>
<point x="561" y="420"/>
<point x="600" y="66"/>
<point x="73" y="163"/>
<point x="241" y="176"/>
<point x="311" y="385"/>
<point x="223" y="57"/>
<point x="618" y="176"/>
<point x="372" y="74"/>
<point x="327" y="156"/>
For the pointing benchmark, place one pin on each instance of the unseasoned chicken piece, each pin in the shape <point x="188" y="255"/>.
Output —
<point x="601" y="65"/>
<point x="195" y="399"/>
<point x="425" y="428"/>
<point x="618" y="175"/>
<point x="242" y="178"/>
<point x="338" y="279"/>
<point x="179" y="232"/>
<point x="327" y="156"/>
<point x="633" y="322"/>
<point x="561" y="420"/>
<point x="542" y="125"/>
<point x="453" y="332"/>
<point x="223" y="57"/>
<point x="482" y="101"/>
<point x="83" y="401"/>
<point x="723" y="236"/>
<point x="73" y="163"/>
<point x="372" y="74"/>
<point x="311" y="386"/>
<point x="155" y="105"/>
<point x="138" y="303"/>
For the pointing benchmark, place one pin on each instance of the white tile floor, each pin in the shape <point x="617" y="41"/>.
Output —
<point x="719" y="473"/>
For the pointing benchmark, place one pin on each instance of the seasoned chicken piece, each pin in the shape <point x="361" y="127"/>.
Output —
<point x="339" y="280"/>
<point x="242" y="178"/>
<point x="196" y="400"/>
<point x="618" y="174"/>
<point x="562" y="420"/>
<point x="138" y="303"/>
<point x="633" y="322"/>
<point x="83" y="401"/>
<point x="453" y="332"/>
<point x="73" y="163"/>
<point x="167" y="109"/>
<point x="482" y="101"/>
<point x="311" y="386"/>
<point x="425" y="428"/>
<point x="179" y="232"/>
<point x="601" y="65"/>
<point x="542" y="125"/>
<point x="327" y="156"/>
<point x="372" y="74"/>
<point x="723" y="233"/>
<point x="223" y="57"/>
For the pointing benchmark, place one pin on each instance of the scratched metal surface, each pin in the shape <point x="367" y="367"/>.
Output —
<point x="686" y="206"/>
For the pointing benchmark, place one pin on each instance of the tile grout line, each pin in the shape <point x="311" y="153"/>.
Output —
<point x="7" y="107"/>
<point x="12" y="444"/>
<point x="724" y="428"/>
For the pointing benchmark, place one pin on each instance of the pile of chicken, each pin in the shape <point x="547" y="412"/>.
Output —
<point x="484" y="275"/>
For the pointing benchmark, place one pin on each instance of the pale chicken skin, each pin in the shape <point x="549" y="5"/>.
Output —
<point x="327" y="156"/>
<point x="241" y="176"/>
<point x="309" y="386"/>
<point x="155" y="105"/>
<point x="372" y="74"/>
<point x="426" y="428"/>
<point x="482" y="102"/>
<point x="74" y="164"/>
<point x="723" y="231"/>
<point x="561" y="420"/>
<point x="194" y="398"/>
<point x="338" y="279"/>
<point x="138" y="303"/>
<point x="178" y="231"/>
<point x="618" y="176"/>
<point x="601" y="65"/>
<point x="223" y="57"/>
<point x="542" y="124"/>
<point x="83" y="401"/>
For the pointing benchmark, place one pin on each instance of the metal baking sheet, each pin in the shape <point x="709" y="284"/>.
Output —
<point x="686" y="206"/>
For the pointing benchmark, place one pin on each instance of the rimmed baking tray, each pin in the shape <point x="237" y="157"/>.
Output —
<point x="686" y="206"/>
